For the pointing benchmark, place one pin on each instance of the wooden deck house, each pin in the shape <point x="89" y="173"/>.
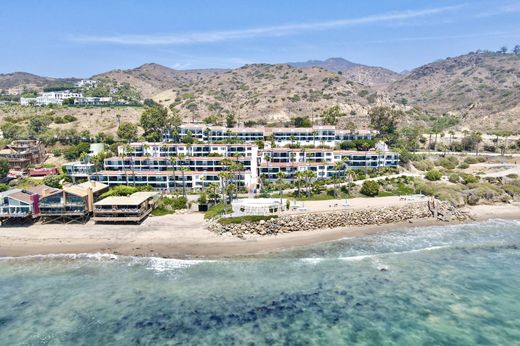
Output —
<point x="133" y="208"/>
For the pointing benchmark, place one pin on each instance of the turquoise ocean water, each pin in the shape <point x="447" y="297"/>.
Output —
<point x="451" y="285"/>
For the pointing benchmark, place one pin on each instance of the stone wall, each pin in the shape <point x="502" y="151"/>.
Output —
<point x="333" y="219"/>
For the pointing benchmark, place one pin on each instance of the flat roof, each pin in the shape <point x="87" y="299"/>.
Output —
<point x="160" y="173"/>
<point x="94" y="185"/>
<point x="207" y="158"/>
<point x="134" y="199"/>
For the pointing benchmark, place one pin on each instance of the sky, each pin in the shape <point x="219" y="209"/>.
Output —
<point x="80" y="38"/>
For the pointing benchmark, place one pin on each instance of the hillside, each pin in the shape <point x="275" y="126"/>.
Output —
<point x="367" y="75"/>
<point x="272" y="93"/>
<point x="31" y="81"/>
<point x="483" y="89"/>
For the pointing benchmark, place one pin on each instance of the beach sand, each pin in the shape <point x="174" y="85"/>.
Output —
<point x="186" y="235"/>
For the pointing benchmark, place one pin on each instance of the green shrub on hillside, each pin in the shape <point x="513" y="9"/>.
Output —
<point x="449" y="162"/>
<point x="370" y="188"/>
<point x="470" y="160"/>
<point x="424" y="165"/>
<point x="433" y="175"/>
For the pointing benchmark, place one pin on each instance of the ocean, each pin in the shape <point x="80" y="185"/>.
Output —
<point x="449" y="285"/>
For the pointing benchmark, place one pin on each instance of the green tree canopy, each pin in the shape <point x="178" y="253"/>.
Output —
<point x="127" y="131"/>
<point x="154" y="120"/>
<point x="4" y="167"/>
<point x="384" y="120"/>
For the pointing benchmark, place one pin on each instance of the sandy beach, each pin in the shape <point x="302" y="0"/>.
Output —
<point x="186" y="235"/>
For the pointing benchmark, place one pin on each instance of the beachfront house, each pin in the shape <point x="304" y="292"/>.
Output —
<point x="72" y="204"/>
<point x="17" y="204"/>
<point x="69" y="205"/>
<point x="133" y="208"/>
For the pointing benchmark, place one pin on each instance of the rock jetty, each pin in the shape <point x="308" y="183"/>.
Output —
<point x="334" y="219"/>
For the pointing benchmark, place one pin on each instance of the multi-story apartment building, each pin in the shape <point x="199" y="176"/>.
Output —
<point x="321" y="161"/>
<point x="167" y="166"/>
<point x="171" y="180"/>
<point x="317" y="135"/>
<point x="176" y="149"/>
<point x="22" y="153"/>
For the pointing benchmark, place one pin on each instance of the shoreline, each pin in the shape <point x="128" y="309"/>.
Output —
<point x="184" y="236"/>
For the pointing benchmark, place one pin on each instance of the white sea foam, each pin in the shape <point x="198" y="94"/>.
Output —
<point x="362" y="257"/>
<point x="170" y="264"/>
<point x="71" y="256"/>
<point x="312" y="260"/>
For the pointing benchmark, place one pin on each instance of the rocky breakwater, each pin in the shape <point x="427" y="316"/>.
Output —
<point x="334" y="219"/>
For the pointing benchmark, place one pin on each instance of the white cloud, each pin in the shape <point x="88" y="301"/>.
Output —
<point x="448" y="37"/>
<point x="268" y="31"/>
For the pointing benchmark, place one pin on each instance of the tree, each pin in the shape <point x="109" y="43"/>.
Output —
<point x="280" y="176"/>
<point x="516" y="49"/>
<point x="339" y="167"/>
<point x="53" y="181"/>
<point x="309" y="176"/>
<point x="477" y="138"/>
<point x="503" y="50"/>
<point x="302" y="122"/>
<point x="331" y="115"/>
<point x="299" y="177"/>
<point x="4" y="167"/>
<point x="188" y="139"/>
<point x="127" y="131"/>
<point x="384" y="120"/>
<point x="37" y="125"/>
<point x="230" y="120"/>
<point x="370" y="188"/>
<point x="154" y="121"/>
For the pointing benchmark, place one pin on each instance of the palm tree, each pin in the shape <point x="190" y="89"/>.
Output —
<point x="183" y="172"/>
<point x="182" y="164"/>
<point x="309" y="175"/>
<point x="338" y="167"/>
<point x="452" y="134"/>
<point x="299" y="177"/>
<point x="213" y="191"/>
<point x="224" y="176"/>
<point x="280" y="182"/>
<point x="173" y="161"/>
<point x="365" y="147"/>
<point x="129" y="150"/>
<point x="478" y="138"/>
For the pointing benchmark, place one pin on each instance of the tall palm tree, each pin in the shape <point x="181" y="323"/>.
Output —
<point x="478" y="139"/>
<point x="129" y="150"/>
<point x="173" y="161"/>
<point x="280" y="176"/>
<point x="309" y="175"/>
<point x="224" y="176"/>
<point x="338" y="167"/>
<point x="183" y="172"/>
<point x="299" y="177"/>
